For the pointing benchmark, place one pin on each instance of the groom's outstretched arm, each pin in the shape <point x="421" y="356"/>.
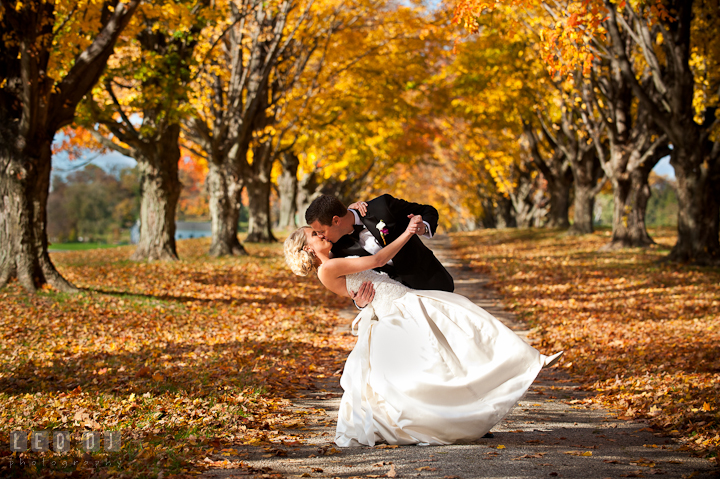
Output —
<point x="402" y="208"/>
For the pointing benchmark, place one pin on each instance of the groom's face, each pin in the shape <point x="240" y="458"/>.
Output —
<point x="331" y="232"/>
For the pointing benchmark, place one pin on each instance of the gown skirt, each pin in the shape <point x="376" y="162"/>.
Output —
<point x="432" y="368"/>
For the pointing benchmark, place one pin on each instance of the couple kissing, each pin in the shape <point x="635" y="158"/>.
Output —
<point x="429" y="366"/>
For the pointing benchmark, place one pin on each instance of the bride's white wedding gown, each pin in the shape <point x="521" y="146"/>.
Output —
<point x="428" y="367"/>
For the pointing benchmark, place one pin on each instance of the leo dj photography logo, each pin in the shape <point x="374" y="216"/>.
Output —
<point x="62" y="442"/>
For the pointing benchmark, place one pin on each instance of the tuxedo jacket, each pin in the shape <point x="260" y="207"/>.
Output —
<point x="414" y="265"/>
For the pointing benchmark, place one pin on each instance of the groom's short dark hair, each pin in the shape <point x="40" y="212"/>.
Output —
<point x="323" y="208"/>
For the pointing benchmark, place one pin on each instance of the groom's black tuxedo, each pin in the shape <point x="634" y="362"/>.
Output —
<point x="414" y="265"/>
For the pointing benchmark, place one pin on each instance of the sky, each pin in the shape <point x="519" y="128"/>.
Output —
<point x="663" y="168"/>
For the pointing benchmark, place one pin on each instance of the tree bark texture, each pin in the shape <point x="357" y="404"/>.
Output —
<point x="526" y="198"/>
<point x="259" y="228"/>
<point x="24" y="186"/>
<point x="505" y="213"/>
<point x="584" y="206"/>
<point x="308" y="190"/>
<point x="631" y="192"/>
<point x="288" y="190"/>
<point x="695" y="156"/>
<point x="586" y="173"/>
<point x="33" y="107"/>
<point x="224" y="188"/>
<point x="259" y="187"/>
<point x="160" y="187"/>
<point x="489" y="217"/>
<point x="559" y="204"/>
<point x="698" y="212"/>
<point x="556" y="170"/>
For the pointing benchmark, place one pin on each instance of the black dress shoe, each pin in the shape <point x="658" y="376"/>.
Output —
<point x="488" y="436"/>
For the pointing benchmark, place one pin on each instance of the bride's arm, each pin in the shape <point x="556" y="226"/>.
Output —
<point x="335" y="268"/>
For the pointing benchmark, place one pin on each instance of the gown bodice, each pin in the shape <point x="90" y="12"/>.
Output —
<point x="386" y="289"/>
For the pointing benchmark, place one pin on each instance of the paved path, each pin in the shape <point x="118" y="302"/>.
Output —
<point x="550" y="433"/>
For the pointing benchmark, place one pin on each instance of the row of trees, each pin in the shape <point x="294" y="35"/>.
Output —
<point x="232" y="83"/>
<point x="351" y="98"/>
<point x="628" y="83"/>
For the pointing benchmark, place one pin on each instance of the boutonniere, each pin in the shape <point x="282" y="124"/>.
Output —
<point x="383" y="231"/>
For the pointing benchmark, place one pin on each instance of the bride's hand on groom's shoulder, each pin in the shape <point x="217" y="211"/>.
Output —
<point x="360" y="207"/>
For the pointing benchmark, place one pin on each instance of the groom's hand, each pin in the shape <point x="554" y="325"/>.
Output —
<point x="364" y="296"/>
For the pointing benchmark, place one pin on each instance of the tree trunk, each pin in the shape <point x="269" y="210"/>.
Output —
<point x="259" y="230"/>
<point x="24" y="189"/>
<point x="621" y="195"/>
<point x="559" y="208"/>
<point x="160" y="187"/>
<point x="33" y="106"/>
<point x="584" y="205"/>
<point x="288" y="188"/>
<point x="670" y="104"/>
<point x="698" y="212"/>
<point x="587" y="171"/>
<point x="631" y="193"/>
<point x="489" y="218"/>
<point x="557" y="172"/>
<point x="523" y="200"/>
<point x="307" y="192"/>
<point x="505" y="213"/>
<point x="224" y="189"/>
<point x="640" y="195"/>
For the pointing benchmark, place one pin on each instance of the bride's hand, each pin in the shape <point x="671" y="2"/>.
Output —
<point x="416" y="225"/>
<point x="360" y="207"/>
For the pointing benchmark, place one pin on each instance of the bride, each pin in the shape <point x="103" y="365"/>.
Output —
<point x="429" y="367"/>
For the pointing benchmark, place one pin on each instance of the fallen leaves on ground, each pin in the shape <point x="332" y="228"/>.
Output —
<point x="640" y="333"/>
<point x="184" y="358"/>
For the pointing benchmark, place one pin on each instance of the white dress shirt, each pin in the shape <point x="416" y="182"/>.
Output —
<point x="369" y="243"/>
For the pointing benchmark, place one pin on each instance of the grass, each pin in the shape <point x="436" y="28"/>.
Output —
<point x="79" y="246"/>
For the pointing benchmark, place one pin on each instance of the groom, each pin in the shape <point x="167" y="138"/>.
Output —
<point x="386" y="219"/>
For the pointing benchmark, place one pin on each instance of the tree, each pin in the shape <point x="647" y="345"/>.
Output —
<point x="138" y="109"/>
<point x="236" y="107"/>
<point x="357" y="111"/>
<point x="682" y="53"/>
<point x="675" y="44"/>
<point x="51" y="55"/>
<point x="633" y="148"/>
<point x="556" y="170"/>
<point x="288" y="190"/>
<point x="568" y="133"/>
<point x="500" y="85"/>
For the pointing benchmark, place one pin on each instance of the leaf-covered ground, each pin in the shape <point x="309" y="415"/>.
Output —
<point x="639" y="333"/>
<point x="183" y="358"/>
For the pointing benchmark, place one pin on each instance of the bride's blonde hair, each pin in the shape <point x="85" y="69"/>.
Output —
<point x="301" y="262"/>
